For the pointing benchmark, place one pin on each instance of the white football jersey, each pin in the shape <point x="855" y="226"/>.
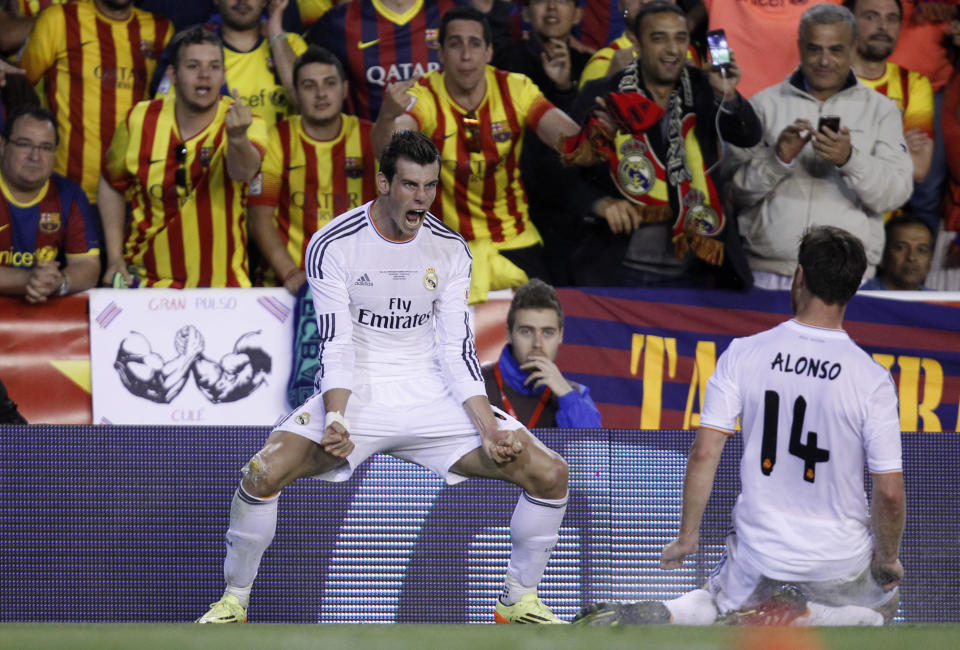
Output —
<point x="813" y="407"/>
<point x="388" y="310"/>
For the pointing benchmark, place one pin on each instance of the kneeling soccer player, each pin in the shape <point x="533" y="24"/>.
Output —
<point x="398" y="374"/>
<point x="814" y="407"/>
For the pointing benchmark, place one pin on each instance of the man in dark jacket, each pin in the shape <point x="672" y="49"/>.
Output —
<point x="657" y="200"/>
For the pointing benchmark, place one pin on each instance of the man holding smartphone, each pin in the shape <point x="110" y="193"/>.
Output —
<point x="809" y="172"/>
<point x="660" y="219"/>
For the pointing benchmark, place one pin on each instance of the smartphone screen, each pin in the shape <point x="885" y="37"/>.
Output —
<point x="719" y="50"/>
<point x="831" y="121"/>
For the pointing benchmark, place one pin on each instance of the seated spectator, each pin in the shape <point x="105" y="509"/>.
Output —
<point x="477" y="117"/>
<point x="185" y="163"/>
<point x="878" y="28"/>
<point x="355" y="33"/>
<point x="526" y="382"/>
<point x="258" y="68"/>
<point x="762" y="36"/>
<point x="48" y="239"/>
<point x="554" y="64"/>
<point x="623" y="50"/>
<point x="662" y="219"/>
<point x="319" y="164"/>
<point x="907" y="254"/>
<point x="803" y="175"/>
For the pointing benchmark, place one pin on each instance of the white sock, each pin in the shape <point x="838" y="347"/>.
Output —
<point x="825" y="615"/>
<point x="253" y="522"/>
<point x="692" y="608"/>
<point x="534" y="531"/>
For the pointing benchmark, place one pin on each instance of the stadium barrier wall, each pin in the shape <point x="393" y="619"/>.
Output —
<point x="646" y="354"/>
<point x="119" y="524"/>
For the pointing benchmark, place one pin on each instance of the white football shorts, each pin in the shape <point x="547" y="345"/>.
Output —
<point x="734" y="583"/>
<point x="417" y="420"/>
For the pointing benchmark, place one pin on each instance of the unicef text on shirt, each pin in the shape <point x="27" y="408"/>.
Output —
<point x="397" y="72"/>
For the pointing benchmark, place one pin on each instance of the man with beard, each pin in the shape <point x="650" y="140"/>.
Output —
<point x="184" y="162"/>
<point x="96" y="59"/>
<point x="661" y="221"/>
<point x="258" y="58"/>
<point x="878" y="27"/>
<point x="318" y="164"/>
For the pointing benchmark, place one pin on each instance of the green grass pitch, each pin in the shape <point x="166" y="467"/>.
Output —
<point x="106" y="636"/>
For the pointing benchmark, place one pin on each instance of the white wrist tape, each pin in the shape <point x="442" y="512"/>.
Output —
<point x="336" y="416"/>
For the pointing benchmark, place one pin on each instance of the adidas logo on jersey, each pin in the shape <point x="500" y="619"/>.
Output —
<point x="363" y="281"/>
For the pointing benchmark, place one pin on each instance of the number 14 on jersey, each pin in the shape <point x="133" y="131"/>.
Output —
<point x="808" y="452"/>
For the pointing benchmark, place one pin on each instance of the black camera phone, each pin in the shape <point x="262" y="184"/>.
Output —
<point x="719" y="50"/>
<point x="831" y="121"/>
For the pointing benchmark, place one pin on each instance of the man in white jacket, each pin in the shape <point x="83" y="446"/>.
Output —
<point x="807" y="174"/>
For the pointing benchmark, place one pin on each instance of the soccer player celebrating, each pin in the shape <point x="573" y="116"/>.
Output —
<point x="813" y="408"/>
<point x="318" y="165"/>
<point x="185" y="163"/>
<point x="398" y="374"/>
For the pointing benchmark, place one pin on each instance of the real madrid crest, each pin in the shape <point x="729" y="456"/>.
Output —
<point x="635" y="172"/>
<point x="699" y="217"/>
<point x="430" y="279"/>
<point x="303" y="419"/>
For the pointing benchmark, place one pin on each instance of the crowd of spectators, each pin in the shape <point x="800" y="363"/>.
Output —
<point x="583" y="143"/>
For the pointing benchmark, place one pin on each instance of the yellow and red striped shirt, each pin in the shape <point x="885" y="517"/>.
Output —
<point x="311" y="181"/>
<point x="94" y="69"/>
<point x="481" y="192"/>
<point x="912" y="92"/>
<point x="181" y="235"/>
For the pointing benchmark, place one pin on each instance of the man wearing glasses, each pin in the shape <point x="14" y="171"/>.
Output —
<point x="477" y="116"/>
<point x="48" y="241"/>
<point x="186" y="164"/>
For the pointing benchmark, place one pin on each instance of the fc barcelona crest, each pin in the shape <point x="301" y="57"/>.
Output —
<point x="206" y="153"/>
<point x="432" y="37"/>
<point x="146" y="49"/>
<point x="49" y="222"/>
<point x="353" y="167"/>
<point x="501" y="131"/>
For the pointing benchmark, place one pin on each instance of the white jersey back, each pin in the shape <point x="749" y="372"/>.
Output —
<point x="813" y="407"/>
<point x="389" y="310"/>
